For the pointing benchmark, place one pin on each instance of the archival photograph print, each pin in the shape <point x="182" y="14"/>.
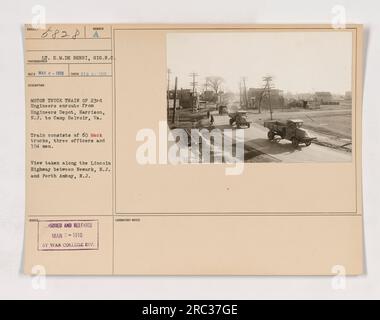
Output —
<point x="283" y="96"/>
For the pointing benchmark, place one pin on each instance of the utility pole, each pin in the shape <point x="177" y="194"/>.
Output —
<point x="193" y="84"/>
<point x="240" y="94"/>
<point x="175" y="99"/>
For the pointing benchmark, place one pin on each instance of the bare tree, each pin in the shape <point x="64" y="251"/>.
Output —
<point x="215" y="83"/>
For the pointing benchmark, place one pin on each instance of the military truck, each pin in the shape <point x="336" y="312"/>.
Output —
<point x="290" y="130"/>
<point x="239" y="118"/>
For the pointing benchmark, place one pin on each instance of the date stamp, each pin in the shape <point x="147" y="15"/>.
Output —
<point x="66" y="235"/>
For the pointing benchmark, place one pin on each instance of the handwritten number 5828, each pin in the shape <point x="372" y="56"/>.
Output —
<point x="57" y="33"/>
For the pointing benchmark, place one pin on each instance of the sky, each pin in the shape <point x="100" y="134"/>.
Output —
<point x="299" y="62"/>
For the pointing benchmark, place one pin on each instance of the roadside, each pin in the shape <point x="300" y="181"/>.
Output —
<point x="331" y="126"/>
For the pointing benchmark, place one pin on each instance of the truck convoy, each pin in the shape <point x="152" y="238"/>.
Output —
<point x="290" y="130"/>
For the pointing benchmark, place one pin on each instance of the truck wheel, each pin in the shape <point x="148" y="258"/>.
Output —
<point x="308" y="143"/>
<point x="270" y="135"/>
<point x="231" y="122"/>
<point x="249" y="125"/>
<point x="295" y="142"/>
